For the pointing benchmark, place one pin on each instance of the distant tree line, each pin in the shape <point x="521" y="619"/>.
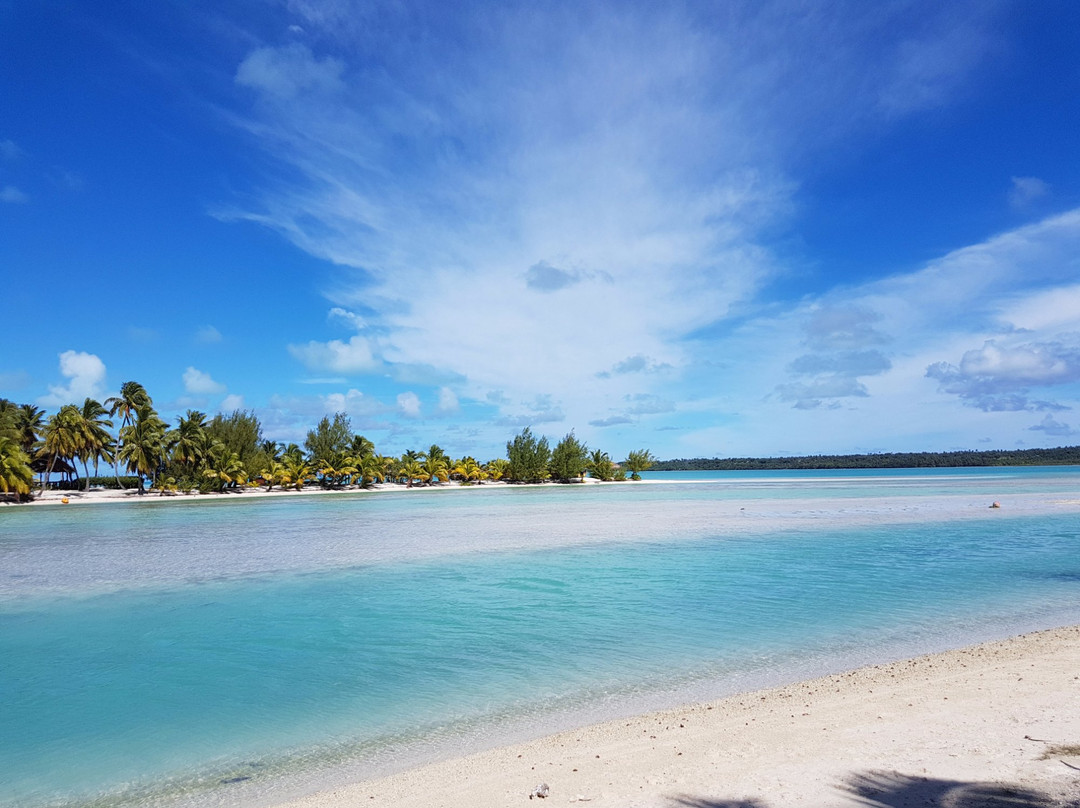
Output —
<point x="1063" y="456"/>
<point x="228" y="451"/>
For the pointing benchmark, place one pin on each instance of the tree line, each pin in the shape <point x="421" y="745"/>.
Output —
<point x="227" y="452"/>
<point x="1066" y="455"/>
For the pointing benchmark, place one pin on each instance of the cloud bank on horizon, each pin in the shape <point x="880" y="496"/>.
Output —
<point x="737" y="229"/>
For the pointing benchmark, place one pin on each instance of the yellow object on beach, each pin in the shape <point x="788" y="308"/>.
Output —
<point x="64" y="500"/>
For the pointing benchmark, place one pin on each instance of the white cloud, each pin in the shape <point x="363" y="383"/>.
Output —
<point x="354" y="356"/>
<point x="232" y="402"/>
<point x="448" y="402"/>
<point x="346" y="317"/>
<point x="200" y="383"/>
<point x="408" y="404"/>
<point x="9" y="150"/>
<point x="289" y="71"/>
<point x="578" y="199"/>
<point x="998" y="377"/>
<point x="208" y="335"/>
<point x="354" y="402"/>
<point x="9" y="193"/>
<point x="85" y="373"/>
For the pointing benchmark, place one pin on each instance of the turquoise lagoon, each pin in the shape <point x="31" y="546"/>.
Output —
<point x="205" y="652"/>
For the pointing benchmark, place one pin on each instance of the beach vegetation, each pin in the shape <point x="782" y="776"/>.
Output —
<point x="16" y="476"/>
<point x="228" y="451"/>
<point x="224" y="468"/>
<point x="96" y="442"/>
<point x="297" y="470"/>
<point x="569" y="459"/>
<point x="435" y="466"/>
<point x="22" y="423"/>
<point x="143" y="444"/>
<point x="61" y="440"/>
<point x="132" y="396"/>
<point x="241" y="433"/>
<point x="495" y="469"/>
<point x="637" y="462"/>
<point x="468" y="470"/>
<point x="361" y="447"/>
<point x="371" y="469"/>
<point x="528" y="458"/>
<point x="601" y="466"/>
<point x="410" y="470"/>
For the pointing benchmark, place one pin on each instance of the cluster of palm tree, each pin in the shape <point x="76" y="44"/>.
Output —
<point x="29" y="442"/>
<point x="19" y="426"/>
<point x="228" y="452"/>
<point x="361" y="465"/>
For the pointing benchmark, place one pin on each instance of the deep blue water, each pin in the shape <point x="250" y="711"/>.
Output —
<point x="157" y="649"/>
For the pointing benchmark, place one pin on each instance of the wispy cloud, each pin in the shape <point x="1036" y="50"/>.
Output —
<point x="283" y="73"/>
<point x="208" y="335"/>
<point x="1027" y="190"/>
<point x="9" y="150"/>
<point x="545" y="211"/>
<point x="1051" y="426"/>
<point x="11" y="194"/>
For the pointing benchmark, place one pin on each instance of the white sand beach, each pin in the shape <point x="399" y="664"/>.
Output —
<point x="996" y="724"/>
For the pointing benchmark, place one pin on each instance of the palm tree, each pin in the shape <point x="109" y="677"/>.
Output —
<point x="336" y="471"/>
<point x="142" y="443"/>
<point x="297" y="469"/>
<point x="361" y="447"/>
<point x="224" y="466"/>
<point x="189" y="438"/>
<point x="29" y="421"/>
<point x="389" y="466"/>
<point x="273" y="474"/>
<point x="97" y="443"/>
<point x="371" y="469"/>
<point x="600" y="466"/>
<point x="411" y="470"/>
<point x="468" y="469"/>
<point x="436" y="468"/>
<point x="638" y="462"/>
<point x="132" y="396"/>
<point x="16" y="476"/>
<point x="496" y="468"/>
<point x="62" y="438"/>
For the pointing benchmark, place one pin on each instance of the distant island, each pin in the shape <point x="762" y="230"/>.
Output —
<point x="1062" y="456"/>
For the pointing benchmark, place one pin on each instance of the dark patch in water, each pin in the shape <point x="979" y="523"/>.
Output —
<point x="240" y="779"/>
<point x="1065" y="576"/>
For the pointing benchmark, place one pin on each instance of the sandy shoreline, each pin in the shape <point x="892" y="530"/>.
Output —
<point x="101" y="496"/>
<point x="979" y="726"/>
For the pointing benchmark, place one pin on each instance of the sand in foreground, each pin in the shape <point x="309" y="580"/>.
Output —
<point x="983" y="726"/>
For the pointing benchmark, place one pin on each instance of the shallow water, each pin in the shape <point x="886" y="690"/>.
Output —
<point x="151" y="650"/>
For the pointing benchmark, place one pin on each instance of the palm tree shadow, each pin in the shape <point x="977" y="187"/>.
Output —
<point x="877" y="789"/>
<point x="687" y="801"/>
<point x="895" y="790"/>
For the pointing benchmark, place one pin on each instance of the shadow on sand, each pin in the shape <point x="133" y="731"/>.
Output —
<point x="894" y="790"/>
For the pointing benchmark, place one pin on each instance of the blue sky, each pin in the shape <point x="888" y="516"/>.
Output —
<point x="707" y="228"/>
